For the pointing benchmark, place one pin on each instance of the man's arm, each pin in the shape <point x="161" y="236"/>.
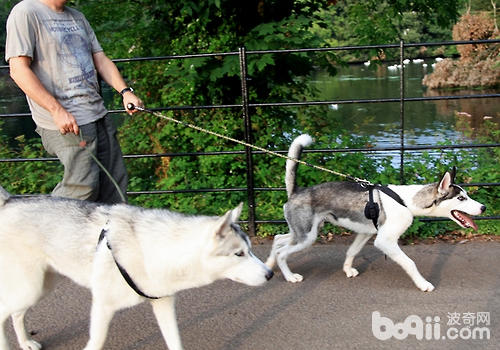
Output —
<point x="21" y="73"/>
<point x="111" y="75"/>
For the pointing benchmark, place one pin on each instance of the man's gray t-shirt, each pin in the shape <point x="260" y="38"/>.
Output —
<point x="61" y="45"/>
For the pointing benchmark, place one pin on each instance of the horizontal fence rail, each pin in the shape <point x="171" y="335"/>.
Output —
<point x="246" y="104"/>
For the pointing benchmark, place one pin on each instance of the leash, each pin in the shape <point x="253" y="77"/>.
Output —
<point x="83" y="144"/>
<point x="122" y="270"/>
<point x="362" y="182"/>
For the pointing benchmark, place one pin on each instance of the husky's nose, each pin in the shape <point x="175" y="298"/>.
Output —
<point x="483" y="209"/>
<point x="269" y="275"/>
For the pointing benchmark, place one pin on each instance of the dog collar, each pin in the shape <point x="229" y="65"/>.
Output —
<point x="123" y="272"/>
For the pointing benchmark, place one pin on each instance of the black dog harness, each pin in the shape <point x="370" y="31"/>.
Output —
<point x="123" y="272"/>
<point x="372" y="209"/>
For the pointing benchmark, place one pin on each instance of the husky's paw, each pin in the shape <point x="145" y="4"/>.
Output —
<point x="294" y="278"/>
<point x="350" y="272"/>
<point x="425" y="286"/>
<point x="30" y="345"/>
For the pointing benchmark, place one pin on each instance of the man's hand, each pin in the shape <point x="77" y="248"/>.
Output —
<point x="129" y="97"/>
<point x="65" y="121"/>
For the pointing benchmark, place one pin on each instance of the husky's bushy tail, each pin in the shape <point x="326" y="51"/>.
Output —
<point x="291" y="166"/>
<point x="4" y="195"/>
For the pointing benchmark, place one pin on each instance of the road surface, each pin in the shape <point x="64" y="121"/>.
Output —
<point x="325" y="311"/>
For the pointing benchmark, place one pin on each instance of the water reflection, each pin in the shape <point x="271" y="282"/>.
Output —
<point x="426" y="122"/>
<point x="475" y="111"/>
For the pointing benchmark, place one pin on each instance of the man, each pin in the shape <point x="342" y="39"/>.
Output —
<point x="55" y="57"/>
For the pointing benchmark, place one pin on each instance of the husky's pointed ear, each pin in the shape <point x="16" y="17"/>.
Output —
<point x="222" y="223"/>
<point x="236" y="212"/>
<point x="226" y="220"/>
<point x="445" y="183"/>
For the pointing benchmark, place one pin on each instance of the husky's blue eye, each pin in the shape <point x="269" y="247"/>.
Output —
<point x="461" y="198"/>
<point x="240" y="253"/>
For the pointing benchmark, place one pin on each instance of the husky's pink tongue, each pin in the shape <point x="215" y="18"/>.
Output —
<point x="464" y="219"/>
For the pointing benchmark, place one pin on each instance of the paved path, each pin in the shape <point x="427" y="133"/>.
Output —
<point x="325" y="311"/>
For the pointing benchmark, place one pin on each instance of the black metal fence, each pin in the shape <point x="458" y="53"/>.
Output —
<point x="246" y="104"/>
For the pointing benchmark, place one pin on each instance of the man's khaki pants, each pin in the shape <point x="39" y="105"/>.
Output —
<point x="83" y="178"/>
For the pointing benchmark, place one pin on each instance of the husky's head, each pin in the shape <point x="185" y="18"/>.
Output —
<point x="232" y="255"/>
<point x="451" y="201"/>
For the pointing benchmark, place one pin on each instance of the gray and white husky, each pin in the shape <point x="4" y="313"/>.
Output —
<point x="344" y="203"/>
<point x="124" y="254"/>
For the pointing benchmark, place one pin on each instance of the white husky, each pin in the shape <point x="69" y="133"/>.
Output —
<point x="391" y="212"/>
<point x="124" y="254"/>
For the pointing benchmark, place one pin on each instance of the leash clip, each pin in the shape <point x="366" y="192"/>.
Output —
<point x="364" y="183"/>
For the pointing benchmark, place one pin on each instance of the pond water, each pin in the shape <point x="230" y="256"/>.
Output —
<point x="426" y="122"/>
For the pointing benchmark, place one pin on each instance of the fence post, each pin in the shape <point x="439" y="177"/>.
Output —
<point x="402" y="111"/>
<point x="248" y="139"/>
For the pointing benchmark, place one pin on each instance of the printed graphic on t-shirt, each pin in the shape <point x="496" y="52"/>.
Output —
<point x="74" y="52"/>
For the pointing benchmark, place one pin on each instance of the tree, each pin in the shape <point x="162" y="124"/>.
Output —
<point x="478" y="63"/>
<point x="370" y="22"/>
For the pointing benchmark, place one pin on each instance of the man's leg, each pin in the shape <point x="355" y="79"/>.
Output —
<point x="110" y="155"/>
<point x="81" y="173"/>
